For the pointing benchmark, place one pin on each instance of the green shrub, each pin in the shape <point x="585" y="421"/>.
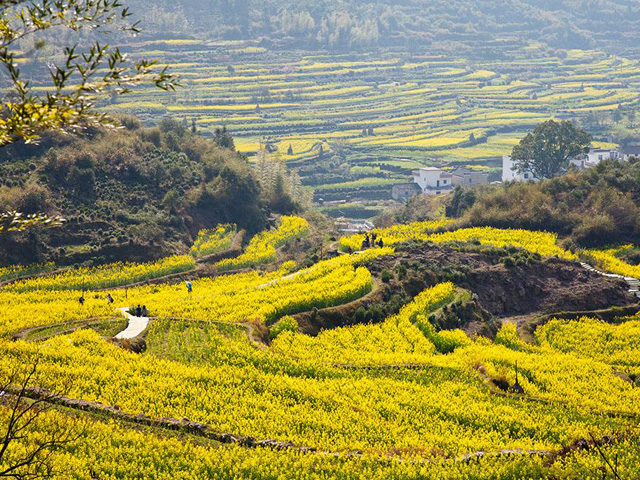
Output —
<point x="285" y="324"/>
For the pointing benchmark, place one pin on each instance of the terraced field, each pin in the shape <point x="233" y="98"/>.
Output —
<point x="215" y="396"/>
<point x="394" y="110"/>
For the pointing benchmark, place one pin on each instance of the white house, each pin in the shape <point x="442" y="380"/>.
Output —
<point x="510" y="174"/>
<point x="433" y="181"/>
<point x="595" y="156"/>
<point x="588" y="160"/>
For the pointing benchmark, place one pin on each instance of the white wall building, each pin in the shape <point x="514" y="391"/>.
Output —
<point x="595" y="156"/>
<point x="433" y="181"/>
<point x="588" y="160"/>
<point x="510" y="174"/>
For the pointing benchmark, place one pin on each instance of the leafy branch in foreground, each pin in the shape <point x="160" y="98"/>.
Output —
<point x="78" y="77"/>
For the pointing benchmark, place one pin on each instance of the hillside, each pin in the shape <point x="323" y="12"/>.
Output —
<point x="451" y="353"/>
<point x="595" y="207"/>
<point x="348" y="24"/>
<point x="133" y="194"/>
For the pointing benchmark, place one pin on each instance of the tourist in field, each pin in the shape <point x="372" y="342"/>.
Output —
<point x="189" y="287"/>
<point x="81" y="300"/>
<point x="138" y="311"/>
<point x="380" y="243"/>
<point x="109" y="299"/>
<point x="145" y="311"/>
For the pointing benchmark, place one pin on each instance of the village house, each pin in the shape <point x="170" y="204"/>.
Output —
<point x="405" y="191"/>
<point x="510" y="174"/>
<point x="595" y="156"/>
<point x="433" y="181"/>
<point x="589" y="160"/>
<point x="465" y="177"/>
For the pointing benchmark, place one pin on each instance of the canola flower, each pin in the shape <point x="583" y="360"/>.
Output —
<point x="267" y="396"/>
<point x="592" y="338"/>
<point x="315" y="392"/>
<point x="214" y="240"/>
<point x="106" y="276"/>
<point x="112" y="450"/>
<point x="397" y="340"/>
<point x="262" y="247"/>
<point x="396" y="234"/>
<point x="17" y="271"/>
<point x="250" y="296"/>
<point x="543" y="243"/>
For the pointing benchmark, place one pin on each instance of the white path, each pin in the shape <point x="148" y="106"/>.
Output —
<point x="634" y="283"/>
<point x="136" y="326"/>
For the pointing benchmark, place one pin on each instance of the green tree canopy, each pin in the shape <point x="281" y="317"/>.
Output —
<point x="550" y="148"/>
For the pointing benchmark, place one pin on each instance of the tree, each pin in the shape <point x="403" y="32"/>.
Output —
<point x="79" y="78"/>
<point x="549" y="149"/>
<point x="223" y="138"/>
<point x="21" y="408"/>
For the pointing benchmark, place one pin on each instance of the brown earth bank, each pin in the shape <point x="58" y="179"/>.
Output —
<point x="505" y="283"/>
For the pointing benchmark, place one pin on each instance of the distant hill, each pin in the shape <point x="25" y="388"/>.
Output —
<point x="348" y="24"/>
<point x="135" y="194"/>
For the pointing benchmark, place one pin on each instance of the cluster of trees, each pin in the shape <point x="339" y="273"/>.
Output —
<point x="596" y="207"/>
<point x="344" y="24"/>
<point x="125" y="189"/>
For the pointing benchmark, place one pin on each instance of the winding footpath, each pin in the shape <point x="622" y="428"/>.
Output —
<point x="634" y="283"/>
<point x="136" y="325"/>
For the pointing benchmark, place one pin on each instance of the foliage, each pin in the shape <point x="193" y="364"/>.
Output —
<point x="133" y="193"/>
<point x="596" y="207"/>
<point x="77" y="78"/>
<point x="548" y="150"/>
<point x="347" y="24"/>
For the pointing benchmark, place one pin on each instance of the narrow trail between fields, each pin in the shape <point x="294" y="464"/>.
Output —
<point x="202" y="430"/>
<point x="136" y="325"/>
<point x="634" y="283"/>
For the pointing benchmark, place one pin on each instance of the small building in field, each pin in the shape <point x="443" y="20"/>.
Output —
<point x="465" y="177"/>
<point x="511" y="174"/>
<point x="433" y="181"/>
<point x="405" y="191"/>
